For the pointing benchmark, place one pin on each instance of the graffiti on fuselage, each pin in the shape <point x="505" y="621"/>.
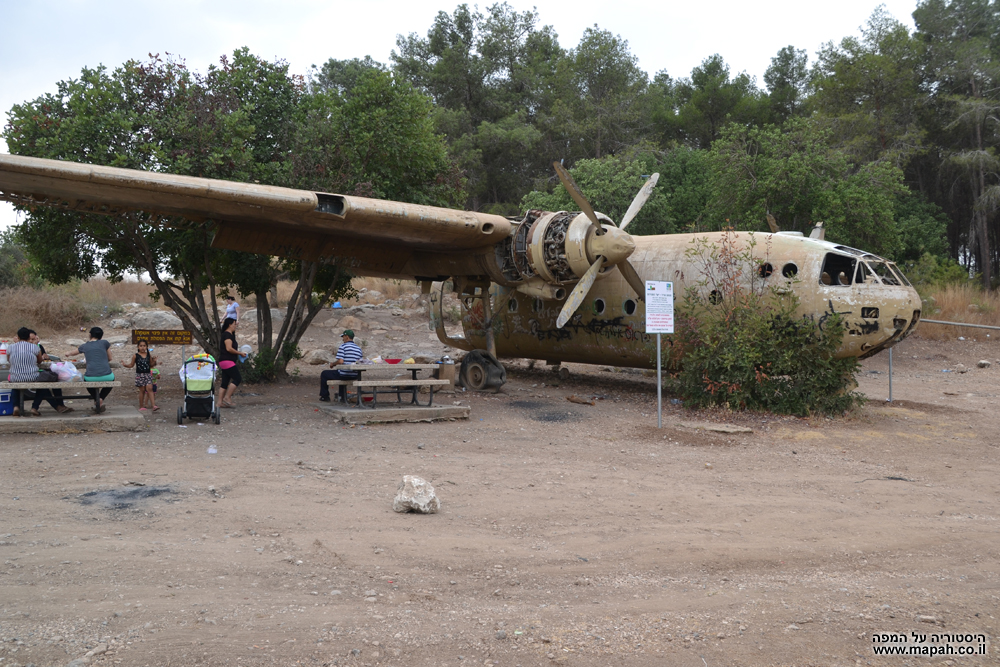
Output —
<point x="830" y="312"/>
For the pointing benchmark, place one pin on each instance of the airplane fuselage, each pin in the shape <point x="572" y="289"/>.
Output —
<point x="609" y="328"/>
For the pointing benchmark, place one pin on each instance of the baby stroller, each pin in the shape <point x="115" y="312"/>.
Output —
<point x="198" y="377"/>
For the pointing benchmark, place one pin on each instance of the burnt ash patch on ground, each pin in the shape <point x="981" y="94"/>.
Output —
<point x="127" y="498"/>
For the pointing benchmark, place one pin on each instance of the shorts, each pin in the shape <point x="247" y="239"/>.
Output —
<point x="231" y="375"/>
<point x="143" y="379"/>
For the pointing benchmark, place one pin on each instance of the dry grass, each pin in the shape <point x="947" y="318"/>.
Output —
<point x="113" y="295"/>
<point x="960" y="303"/>
<point x="57" y="308"/>
<point x="385" y="287"/>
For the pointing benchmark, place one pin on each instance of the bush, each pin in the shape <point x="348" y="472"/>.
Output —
<point x="742" y="346"/>
<point x="930" y="273"/>
<point x="263" y="367"/>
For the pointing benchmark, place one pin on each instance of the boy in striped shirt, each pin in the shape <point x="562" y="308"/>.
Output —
<point x="348" y="353"/>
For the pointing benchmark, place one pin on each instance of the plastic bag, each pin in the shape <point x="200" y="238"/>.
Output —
<point x="66" y="371"/>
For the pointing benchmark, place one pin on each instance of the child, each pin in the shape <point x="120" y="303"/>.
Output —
<point x="144" y="364"/>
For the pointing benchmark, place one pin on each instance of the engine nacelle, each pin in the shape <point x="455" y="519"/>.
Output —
<point x="558" y="248"/>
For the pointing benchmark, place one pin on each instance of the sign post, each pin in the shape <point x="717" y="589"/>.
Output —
<point x="659" y="320"/>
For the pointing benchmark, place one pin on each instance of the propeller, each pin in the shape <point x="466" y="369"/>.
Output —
<point x="628" y="271"/>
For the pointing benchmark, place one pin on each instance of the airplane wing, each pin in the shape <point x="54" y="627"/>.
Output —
<point x="381" y="235"/>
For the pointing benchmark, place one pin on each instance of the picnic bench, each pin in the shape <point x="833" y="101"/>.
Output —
<point x="30" y="388"/>
<point x="390" y="386"/>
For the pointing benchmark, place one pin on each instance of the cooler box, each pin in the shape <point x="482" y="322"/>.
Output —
<point x="6" y="403"/>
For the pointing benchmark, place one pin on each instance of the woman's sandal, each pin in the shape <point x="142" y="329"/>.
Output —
<point x="17" y="411"/>
<point x="35" y="413"/>
<point x="63" y="409"/>
<point x="155" y="408"/>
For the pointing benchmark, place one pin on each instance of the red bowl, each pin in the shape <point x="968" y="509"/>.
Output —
<point x="367" y="399"/>
<point x="392" y="361"/>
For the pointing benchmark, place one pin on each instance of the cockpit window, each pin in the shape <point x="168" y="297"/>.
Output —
<point x="865" y="274"/>
<point x="887" y="275"/>
<point x="837" y="270"/>
<point x="902" y="278"/>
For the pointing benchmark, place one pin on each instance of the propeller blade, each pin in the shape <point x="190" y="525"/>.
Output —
<point x="579" y="293"/>
<point x="772" y="223"/>
<point x="575" y="193"/>
<point x="639" y="201"/>
<point x="632" y="278"/>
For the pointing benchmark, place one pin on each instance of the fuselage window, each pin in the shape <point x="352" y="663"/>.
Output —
<point x="715" y="297"/>
<point x="512" y="304"/>
<point x="629" y="307"/>
<point x="790" y="270"/>
<point x="837" y="270"/>
<point x="765" y="270"/>
<point x="538" y="305"/>
<point x="599" y="306"/>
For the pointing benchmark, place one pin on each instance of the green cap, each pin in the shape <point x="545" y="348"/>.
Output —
<point x="348" y="333"/>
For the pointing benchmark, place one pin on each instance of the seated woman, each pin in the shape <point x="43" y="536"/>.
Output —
<point x="97" y="353"/>
<point x="24" y="358"/>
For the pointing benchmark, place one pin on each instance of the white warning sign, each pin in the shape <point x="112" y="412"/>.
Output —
<point x="659" y="307"/>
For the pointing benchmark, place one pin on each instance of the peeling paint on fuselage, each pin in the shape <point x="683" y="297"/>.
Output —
<point x="526" y="327"/>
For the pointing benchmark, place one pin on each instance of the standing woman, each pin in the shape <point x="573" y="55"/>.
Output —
<point x="232" y="308"/>
<point x="228" y="356"/>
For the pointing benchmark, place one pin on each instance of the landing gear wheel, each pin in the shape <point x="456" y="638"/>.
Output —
<point x="481" y="371"/>
<point x="217" y="417"/>
<point x="180" y="415"/>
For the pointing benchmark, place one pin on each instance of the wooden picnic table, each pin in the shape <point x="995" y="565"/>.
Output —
<point x="392" y="385"/>
<point x="25" y="388"/>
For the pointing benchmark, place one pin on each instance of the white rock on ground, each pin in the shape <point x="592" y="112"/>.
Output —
<point x="415" y="494"/>
<point x="983" y="363"/>
<point x="119" y="323"/>
<point x="250" y="316"/>
<point x="318" y="357"/>
<point x="156" y="319"/>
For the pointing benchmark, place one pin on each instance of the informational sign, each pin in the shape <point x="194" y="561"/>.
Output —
<point x="659" y="307"/>
<point x="162" y="336"/>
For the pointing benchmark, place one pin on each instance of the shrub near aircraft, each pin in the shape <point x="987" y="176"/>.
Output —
<point x="555" y="285"/>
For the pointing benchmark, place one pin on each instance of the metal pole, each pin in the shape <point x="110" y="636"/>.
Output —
<point x="890" y="375"/>
<point x="659" y="386"/>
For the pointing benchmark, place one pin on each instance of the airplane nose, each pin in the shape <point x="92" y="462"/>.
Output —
<point x="611" y="243"/>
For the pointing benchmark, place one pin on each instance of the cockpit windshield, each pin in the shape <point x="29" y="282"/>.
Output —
<point x="886" y="274"/>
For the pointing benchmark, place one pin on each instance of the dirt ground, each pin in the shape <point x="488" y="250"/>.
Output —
<point x="568" y="534"/>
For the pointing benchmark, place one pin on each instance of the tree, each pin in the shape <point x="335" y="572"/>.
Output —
<point x="246" y="120"/>
<point x="341" y="76"/>
<point x="490" y="76"/>
<point x="610" y="184"/>
<point x="709" y="100"/>
<point x="787" y="81"/>
<point x="794" y="174"/>
<point x="867" y="90"/>
<point x="962" y="80"/>
<point x="609" y="85"/>
<point x="15" y="269"/>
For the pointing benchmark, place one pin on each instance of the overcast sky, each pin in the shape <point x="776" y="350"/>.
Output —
<point x="45" y="41"/>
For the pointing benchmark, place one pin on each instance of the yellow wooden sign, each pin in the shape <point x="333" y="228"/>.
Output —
<point x="161" y="336"/>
